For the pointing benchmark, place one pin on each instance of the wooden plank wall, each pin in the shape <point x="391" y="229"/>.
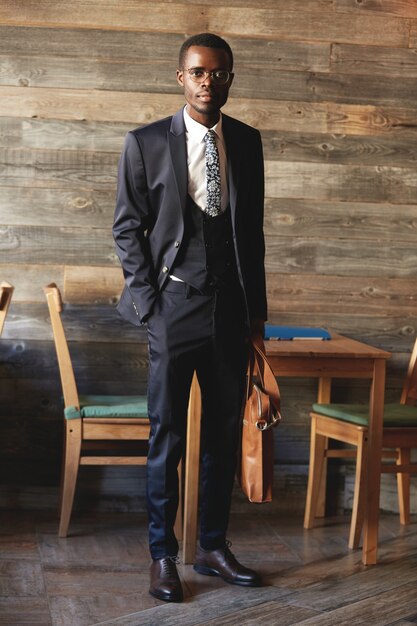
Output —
<point x="331" y="84"/>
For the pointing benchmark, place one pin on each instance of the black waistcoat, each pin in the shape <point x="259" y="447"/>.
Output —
<point x="206" y="256"/>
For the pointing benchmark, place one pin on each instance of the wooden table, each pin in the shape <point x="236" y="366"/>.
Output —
<point x="340" y="357"/>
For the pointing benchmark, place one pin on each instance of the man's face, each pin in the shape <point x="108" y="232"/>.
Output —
<point x="205" y="99"/>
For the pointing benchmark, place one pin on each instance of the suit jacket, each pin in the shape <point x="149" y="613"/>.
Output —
<point x="151" y="202"/>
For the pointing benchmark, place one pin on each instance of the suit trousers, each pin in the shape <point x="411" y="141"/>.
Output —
<point x="189" y="331"/>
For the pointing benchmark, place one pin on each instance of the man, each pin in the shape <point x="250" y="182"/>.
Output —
<point x="189" y="234"/>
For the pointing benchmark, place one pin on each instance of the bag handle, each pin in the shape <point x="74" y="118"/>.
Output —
<point x="266" y="374"/>
<point x="258" y="363"/>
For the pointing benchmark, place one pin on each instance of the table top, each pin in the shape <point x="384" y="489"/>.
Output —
<point x="337" y="347"/>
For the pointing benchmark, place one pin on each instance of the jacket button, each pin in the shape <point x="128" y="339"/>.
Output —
<point x="165" y="269"/>
<point x="177" y="244"/>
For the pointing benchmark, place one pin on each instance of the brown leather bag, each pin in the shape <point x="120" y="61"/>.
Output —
<point x="261" y="413"/>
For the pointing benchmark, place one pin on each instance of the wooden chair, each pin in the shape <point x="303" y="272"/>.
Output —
<point x="6" y="292"/>
<point x="93" y="422"/>
<point x="348" y="423"/>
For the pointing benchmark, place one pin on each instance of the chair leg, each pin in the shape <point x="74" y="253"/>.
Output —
<point x="69" y="477"/>
<point x="403" y="485"/>
<point x="321" y="497"/>
<point x="318" y="445"/>
<point x="358" y="508"/>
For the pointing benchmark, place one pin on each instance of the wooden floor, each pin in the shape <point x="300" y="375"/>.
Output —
<point x="99" y="575"/>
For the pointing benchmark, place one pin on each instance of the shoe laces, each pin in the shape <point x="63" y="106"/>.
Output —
<point x="227" y="550"/>
<point x="168" y="564"/>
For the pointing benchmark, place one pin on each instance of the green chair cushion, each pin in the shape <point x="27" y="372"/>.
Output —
<point x="395" y="414"/>
<point x="108" y="406"/>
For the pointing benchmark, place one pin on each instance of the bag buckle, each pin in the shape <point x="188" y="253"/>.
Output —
<point x="264" y="425"/>
<point x="276" y="417"/>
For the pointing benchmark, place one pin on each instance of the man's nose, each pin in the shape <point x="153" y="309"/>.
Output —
<point x="208" y="78"/>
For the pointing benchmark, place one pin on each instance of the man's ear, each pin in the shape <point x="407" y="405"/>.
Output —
<point x="180" y="77"/>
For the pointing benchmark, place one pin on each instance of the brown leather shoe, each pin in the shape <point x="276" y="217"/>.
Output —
<point x="165" y="582"/>
<point x="223" y="563"/>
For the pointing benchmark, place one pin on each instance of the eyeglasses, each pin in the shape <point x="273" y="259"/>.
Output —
<point x="219" y="77"/>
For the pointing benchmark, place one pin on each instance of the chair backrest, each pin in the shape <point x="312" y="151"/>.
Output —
<point x="55" y="305"/>
<point x="6" y="291"/>
<point x="409" y="392"/>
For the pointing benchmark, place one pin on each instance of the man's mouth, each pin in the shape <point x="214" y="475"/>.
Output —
<point x="206" y="96"/>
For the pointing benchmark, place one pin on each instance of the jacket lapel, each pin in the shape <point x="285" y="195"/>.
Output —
<point x="178" y="152"/>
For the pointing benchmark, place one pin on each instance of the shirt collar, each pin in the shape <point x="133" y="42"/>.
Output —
<point x="197" y="131"/>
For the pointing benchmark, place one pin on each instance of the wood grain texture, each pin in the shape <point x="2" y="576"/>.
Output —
<point x="327" y="117"/>
<point x="137" y="48"/>
<point x="111" y="548"/>
<point x="413" y="34"/>
<point x="55" y="134"/>
<point x="89" y="323"/>
<point x="40" y="206"/>
<point x="95" y="366"/>
<point x="30" y="279"/>
<point x="351" y="59"/>
<point x="71" y="104"/>
<point x="27" y="610"/>
<point x="339" y="148"/>
<point x="229" y="20"/>
<point x="43" y="245"/>
<point x="98" y="285"/>
<point x="137" y="108"/>
<point x="341" y="256"/>
<point x="278" y="145"/>
<point x="348" y="183"/>
<point x="391" y="604"/>
<point x="81" y="284"/>
<point x="349" y="220"/>
<point x="76" y="14"/>
<point x="312" y="293"/>
<point x="112" y="75"/>
<point x="93" y="73"/>
<point x="265" y="612"/>
<point x="92" y="43"/>
<point x="63" y="168"/>
<point x="403" y="8"/>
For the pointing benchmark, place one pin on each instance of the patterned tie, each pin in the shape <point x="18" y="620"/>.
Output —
<point x="213" y="175"/>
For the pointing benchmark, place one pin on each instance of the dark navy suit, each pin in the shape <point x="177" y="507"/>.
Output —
<point x="190" y="326"/>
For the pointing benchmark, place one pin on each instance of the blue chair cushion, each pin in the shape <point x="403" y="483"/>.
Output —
<point x="395" y="414"/>
<point x="109" y="406"/>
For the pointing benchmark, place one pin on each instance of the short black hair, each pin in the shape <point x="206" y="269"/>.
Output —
<point x="207" y="40"/>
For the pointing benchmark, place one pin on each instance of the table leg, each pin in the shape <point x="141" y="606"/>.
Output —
<point x="376" y="413"/>
<point x="178" y="526"/>
<point x="192" y="466"/>
<point x="323" y="396"/>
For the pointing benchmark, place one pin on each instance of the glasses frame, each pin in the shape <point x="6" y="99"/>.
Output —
<point x="207" y="74"/>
